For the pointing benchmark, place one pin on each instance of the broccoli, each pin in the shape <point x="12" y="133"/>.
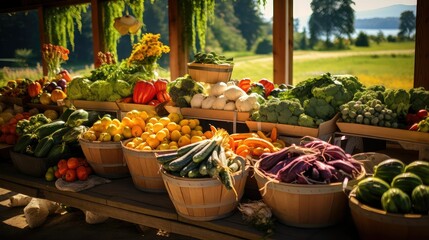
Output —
<point x="303" y="89"/>
<point x="350" y="82"/>
<point x="379" y="88"/>
<point x="183" y="89"/>
<point x="318" y="108"/>
<point x="306" y="121"/>
<point x="272" y="116"/>
<point x="334" y="94"/>
<point x="398" y="100"/>
<point x="419" y="99"/>
<point x="276" y="92"/>
<point x="284" y="111"/>
<point x="368" y="95"/>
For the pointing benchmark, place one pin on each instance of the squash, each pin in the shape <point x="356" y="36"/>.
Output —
<point x="395" y="200"/>
<point x="76" y="118"/>
<point x="51" y="114"/>
<point x="420" y="199"/>
<point x="45" y="98"/>
<point x="370" y="190"/>
<point x="58" y="94"/>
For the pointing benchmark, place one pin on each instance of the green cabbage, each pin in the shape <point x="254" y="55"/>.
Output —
<point x="123" y="88"/>
<point x="79" y="88"/>
<point x="101" y="90"/>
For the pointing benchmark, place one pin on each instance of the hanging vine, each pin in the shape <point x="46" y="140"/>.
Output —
<point x="60" y="23"/>
<point x="114" y="9"/>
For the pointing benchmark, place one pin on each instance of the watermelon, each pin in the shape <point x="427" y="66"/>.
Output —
<point x="395" y="200"/>
<point x="370" y="190"/>
<point x="406" y="182"/>
<point x="388" y="169"/>
<point x="421" y="169"/>
<point x="420" y="199"/>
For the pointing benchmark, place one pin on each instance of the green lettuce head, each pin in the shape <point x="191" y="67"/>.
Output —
<point x="123" y="88"/>
<point x="79" y="88"/>
<point x="101" y="90"/>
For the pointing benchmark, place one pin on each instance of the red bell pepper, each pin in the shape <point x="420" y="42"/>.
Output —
<point x="268" y="85"/>
<point x="245" y="84"/>
<point x="144" y="91"/>
<point x="66" y="75"/>
<point x="161" y="84"/>
<point x="33" y="89"/>
<point x="163" y="96"/>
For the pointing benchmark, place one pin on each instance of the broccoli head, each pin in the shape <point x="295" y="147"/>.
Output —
<point x="303" y="90"/>
<point x="398" y="100"/>
<point x="419" y="99"/>
<point x="306" y="121"/>
<point x="368" y="95"/>
<point x="183" y="89"/>
<point x="334" y="94"/>
<point x="318" y="108"/>
<point x="350" y="82"/>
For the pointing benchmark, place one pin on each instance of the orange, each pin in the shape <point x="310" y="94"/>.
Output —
<point x="192" y="123"/>
<point x="183" y="141"/>
<point x="175" y="135"/>
<point x="137" y="131"/>
<point x="157" y="127"/>
<point x="139" y="121"/>
<point x="171" y="126"/>
<point x="152" y="141"/>
<point x="208" y="134"/>
<point x="184" y="122"/>
<point x="186" y="129"/>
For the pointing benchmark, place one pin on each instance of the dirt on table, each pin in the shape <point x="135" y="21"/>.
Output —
<point x="71" y="225"/>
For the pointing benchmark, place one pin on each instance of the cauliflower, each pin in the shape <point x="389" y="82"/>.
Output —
<point x="229" y="106"/>
<point x="233" y="92"/>
<point x="218" y="88"/>
<point x="246" y="103"/>
<point x="208" y="102"/>
<point x="183" y="89"/>
<point x="197" y="100"/>
<point x="219" y="102"/>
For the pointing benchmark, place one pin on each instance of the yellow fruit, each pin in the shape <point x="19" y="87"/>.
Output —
<point x="173" y="143"/>
<point x="192" y="123"/>
<point x="149" y="127"/>
<point x="89" y="135"/>
<point x="116" y="122"/>
<point x="132" y="114"/>
<point x="173" y="147"/>
<point x="196" y="139"/>
<point x="164" y="121"/>
<point x="199" y="133"/>
<point x="127" y="132"/>
<point x="208" y="134"/>
<point x="171" y="126"/>
<point x="112" y="129"/>
<point x="175" y="135"/>
<point x="145" y="135"/>
<point x="144" y="115"/>
<point x="161" y="135"/>
<point x="126" y="121"/>
<point x="194" y="132"/>
<point x="137" y="141"/>
<point x="153" y="120"/>
<point x="183" y="141"/>
<point x="152" y="141"/>
<point x="163" y="146"/>
<point x="105" y="121"/>
<point x="175" y="117"/>
<point x="197" y="122"/>
<point x="178" y="127"/>
<point x="147" y="148"/>
<point x="98" y="126"/>
<point x="117" y="137"/>
<point x="198" y="128"/>
<point x="139" y="121"/>
<point x="131" y="144"/>
<point x="186" y="129"/>
<point x="136" y="131"/>
<point x="157" y="127"/>
<point x="184" y="122"/>
<point x="105" y="137"/>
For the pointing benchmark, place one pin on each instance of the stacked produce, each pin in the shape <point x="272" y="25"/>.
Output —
<point x="207" y="158"/>
<point x="311" y="162"/>
<point x="71" y="169"/>
<point x="183" y="89"/>
<point x="9" y="117"/>
<point x="396" y="187"/>
<point x="253" y="145"/>
<point x="15" y="88"/>
<point x="41" y="137"/>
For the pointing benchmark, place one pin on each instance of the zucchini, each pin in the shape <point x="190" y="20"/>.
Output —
<point x="204" y="152"/>
<point x="203" y="167"/>
<point x="58" y="150"/>
<point x="24" y="141"/>
<point x="44" y="146"/>
<point x="58" y="135"/>
<point x="49" y="128"/>
<point x="67" y="112"/>
<point x="182" y="161"/>
<point x="183" y="150"/>
<point x="194" y="173"/>
<point x="76" y="118"/>
<point x="191" y="166"/>
<point x="166" y="158"/>
<point x="73" y="134"/>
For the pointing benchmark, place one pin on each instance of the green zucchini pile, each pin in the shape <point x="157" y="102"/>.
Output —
<point x="396" y="187"/>
<point x="206" y="158"/>
<point x="43" y="138"/>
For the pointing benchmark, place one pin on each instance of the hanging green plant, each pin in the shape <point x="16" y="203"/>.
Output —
<point x="60" y="23"/>
<point x="115" y="9"/>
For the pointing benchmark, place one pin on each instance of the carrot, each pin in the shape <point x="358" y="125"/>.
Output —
<point x="232" y="144"/>
<point x="240" y="136"/>
<point x="259" y="142"/>
<point x="274" y="135"/>
<point x="241" y="148"/>
<point x="244" y="153"/>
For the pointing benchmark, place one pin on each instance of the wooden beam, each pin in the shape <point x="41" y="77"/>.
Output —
<point x="178" y="48"/>
<point x="97" y="26"/>
<point x="282" y="41"/>
<point x="42" y="36"/>
<point x="421" y="61"/>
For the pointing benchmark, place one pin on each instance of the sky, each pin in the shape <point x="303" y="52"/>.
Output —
<point x="302" y="8"/>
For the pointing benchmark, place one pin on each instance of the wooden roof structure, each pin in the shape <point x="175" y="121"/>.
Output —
<point x="282" y="36"/>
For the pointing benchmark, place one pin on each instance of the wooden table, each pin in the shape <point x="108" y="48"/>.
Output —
<point x="119" y="199"/>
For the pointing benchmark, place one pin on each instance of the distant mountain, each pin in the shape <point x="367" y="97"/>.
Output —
<point x="385" y="12"/>
<point x="377" y="23"/>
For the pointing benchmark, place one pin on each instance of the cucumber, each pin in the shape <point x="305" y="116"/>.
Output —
<point x="166" y="158"/>
<point x="182" y="161"/>
<point x="44" y="146"/>
<point x="205" y="152"/>
<point x="191" y="166"/>
<point x="203" y="168"/>
<point x="49" y="128"/>
<point x="24" y="141"/>
<point x="183" y="150"/>
<point x="58" y="134"/>
<point x="194" y="173"/>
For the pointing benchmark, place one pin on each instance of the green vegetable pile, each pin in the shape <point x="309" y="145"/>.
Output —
<point x="419" y="99"/>
<point x="211" y="58"/>
<point x="25" y="126"/>
<point x="183" y="89"/>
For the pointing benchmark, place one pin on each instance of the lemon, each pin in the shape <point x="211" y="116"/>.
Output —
<point x="157" y="127"/>
<point x="153" y="120"/>
<point x="144" y="115"/>
<point x="132" y="114"/>
<point x="175" y="135"/>
<point x="163" y="146"/>
<point x="112" y="129"/>
<point x="117" y="137"/>
<point x="147" y="148"/>
<point x="137" y="140"/>
<point x="196" y="139"/>
<point x="192" y="123"/>
<point x="127" y="132"/>
<point x="116" y="122"/>
<point x="161" y="135"/>
<point x="171" y="126"/>
<point x="106" y="121"/>
<point x="145" y="135"/>
<point x="131" y="144"/>
<point x="148" y="127"/>
<point x="184" y="122"/>
<point x="175" y="117"/>
<point x="186" y="129"/>
<point x="164" y="121"/>
<point x="152" y="141"/>
<point x="173" y="147"/>
<point x="126" y="121"/>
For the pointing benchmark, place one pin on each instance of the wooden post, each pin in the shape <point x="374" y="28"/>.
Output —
<point x="421" y="60"/>
<point x="97" y="26"/>
<point x="178" y="48"/>
<point x="282" y="41"/>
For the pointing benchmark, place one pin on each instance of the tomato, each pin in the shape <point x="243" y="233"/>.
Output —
<point x="422" y="114"/>
<point x="71" y="175"/>
<point x="73" y="163"/>
<point x="34" y="89"/>
<point x="82" y="174"/>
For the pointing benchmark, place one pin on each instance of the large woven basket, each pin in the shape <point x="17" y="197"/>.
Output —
<point x="210" y="73"/>
<point x="303" y="205"/>
<point x="204" y="199"/>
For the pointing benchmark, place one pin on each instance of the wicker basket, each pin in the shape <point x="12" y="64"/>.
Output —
<point x="106" y="158"/>
<point x="144" y="168"/>
<point x="373" y="223"/>
<point x="204" y="199"/>
<point x="302" y="205"/>
<point x="210" y="73"/>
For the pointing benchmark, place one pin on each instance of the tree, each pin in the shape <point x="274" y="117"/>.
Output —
<point x="362" y="40"/>
<point x="303" y="42"/>
<point x="407" y="24"/>
<point x="250" y="21"/>
<point x="331" y="17"/>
